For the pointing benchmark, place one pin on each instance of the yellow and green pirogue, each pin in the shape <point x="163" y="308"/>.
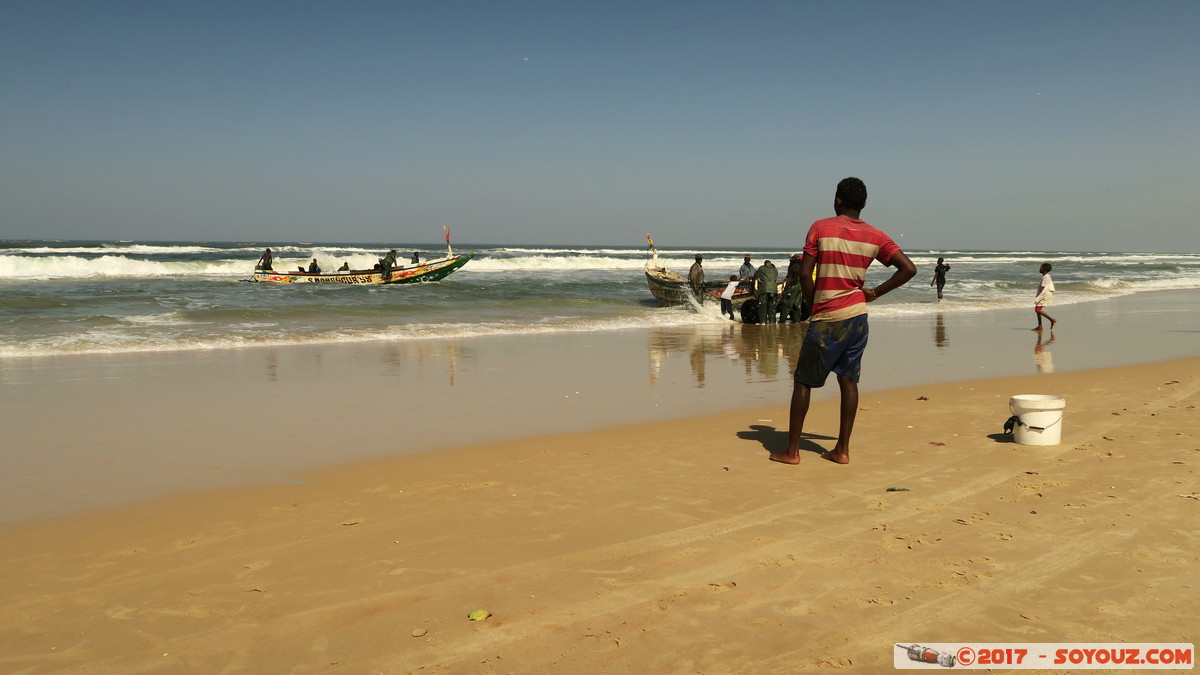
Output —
<point x="430" y="270"/>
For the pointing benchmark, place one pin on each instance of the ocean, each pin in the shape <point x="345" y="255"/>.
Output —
<point x="104" y="297"/>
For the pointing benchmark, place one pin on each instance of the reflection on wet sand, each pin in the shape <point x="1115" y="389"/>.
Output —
<point x="1041" y="356"/>
<point x="272" y="362"/>
<point x="763" y="350"/>
<point x="939" y="332"/>
<point x="432" y="356"/>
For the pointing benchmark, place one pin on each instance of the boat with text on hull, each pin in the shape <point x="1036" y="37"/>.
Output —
<point x="384" y="273"/>
<point x="430" y="270"/>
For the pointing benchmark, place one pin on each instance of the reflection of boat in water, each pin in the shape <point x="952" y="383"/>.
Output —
<point x="672" y="289"/>
<point x="430" y="270"/>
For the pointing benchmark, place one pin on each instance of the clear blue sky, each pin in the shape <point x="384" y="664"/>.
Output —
<point x="997" y="125"/>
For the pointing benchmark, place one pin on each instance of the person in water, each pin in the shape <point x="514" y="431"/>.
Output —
<point x="766" y="291"/>
<point x="696" y="277"/>
<point x="727" y="296"/>
<point x="747" y="270"/>
<point x="939" y="276"/>
<point x="791" y="301"/>
<point x="266" y="261"/>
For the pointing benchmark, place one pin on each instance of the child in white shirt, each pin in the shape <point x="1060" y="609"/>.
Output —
<point x="1045" y="294"/>
<point x="727" y="296"/>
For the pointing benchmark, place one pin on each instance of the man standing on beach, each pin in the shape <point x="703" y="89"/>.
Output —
<point x="841" y="248"/>
<point x="696" y="278"/>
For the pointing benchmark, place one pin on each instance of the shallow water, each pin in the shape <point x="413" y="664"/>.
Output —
<point x="116" y="297"/>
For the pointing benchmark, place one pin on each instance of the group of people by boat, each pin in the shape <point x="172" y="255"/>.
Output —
<point x="770" y="301"/>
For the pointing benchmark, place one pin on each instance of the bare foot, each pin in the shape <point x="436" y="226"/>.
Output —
<point x="785" y="457"/>
<point x="836" y="457"/>
<point x="1039" y="327"/>
<point x="1052" y="322"/>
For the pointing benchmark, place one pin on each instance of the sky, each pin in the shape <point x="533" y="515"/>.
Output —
<point x="1048" y="125"/>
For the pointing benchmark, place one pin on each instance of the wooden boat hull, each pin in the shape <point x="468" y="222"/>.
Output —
<point x="433" y="270"/>
<point x="671" y="289"/>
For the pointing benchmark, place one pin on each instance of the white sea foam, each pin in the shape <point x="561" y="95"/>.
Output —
<point x="118" y="248"/>
<point x="171" y="319"/>
<point x="70" y="266"/>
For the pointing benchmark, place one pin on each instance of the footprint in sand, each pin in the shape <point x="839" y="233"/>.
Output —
<point x="252" y="567"/>
<point x="912" y="541"/>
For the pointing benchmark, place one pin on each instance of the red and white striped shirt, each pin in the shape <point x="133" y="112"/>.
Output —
<point x="844" y="248"/>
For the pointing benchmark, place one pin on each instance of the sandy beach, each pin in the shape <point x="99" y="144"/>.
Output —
<point x="649" y="541"/>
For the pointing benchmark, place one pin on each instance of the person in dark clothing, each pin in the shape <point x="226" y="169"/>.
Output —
<point x="696" y="278"/>
<point x="791" y="301"/>
<point x="313" y="268"/>
<point x="387" y="262"/>
<point x="766" y="290"/>
<point x="939" y="275"/>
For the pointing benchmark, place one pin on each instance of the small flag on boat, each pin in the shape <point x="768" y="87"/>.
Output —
<point x="648" y="239"/>
<point x="447" y="231"/>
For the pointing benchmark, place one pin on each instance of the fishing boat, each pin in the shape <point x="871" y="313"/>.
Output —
<point x="672" y="289"/>
<point x="430" y="270"/>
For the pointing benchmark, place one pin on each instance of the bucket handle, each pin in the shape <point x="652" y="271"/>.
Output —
<point x="1020" y="421"/>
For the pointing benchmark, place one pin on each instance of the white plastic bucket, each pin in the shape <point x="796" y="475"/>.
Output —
<point x="1040" y="418"/>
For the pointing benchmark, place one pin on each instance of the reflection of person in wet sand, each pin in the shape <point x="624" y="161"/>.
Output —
<point x="939" y="332"/>
<point x="841" y="248"/>
<point x="1041" y="356"/>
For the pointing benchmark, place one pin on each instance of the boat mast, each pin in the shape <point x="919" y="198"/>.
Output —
<point x="653" y="250"/>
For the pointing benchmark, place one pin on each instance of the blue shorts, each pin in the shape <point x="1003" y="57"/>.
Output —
<point x="832" y="346"/>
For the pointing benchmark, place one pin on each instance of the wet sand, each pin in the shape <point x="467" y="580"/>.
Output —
<point x="101" y="431"/>
<point x="659" y="539"/>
